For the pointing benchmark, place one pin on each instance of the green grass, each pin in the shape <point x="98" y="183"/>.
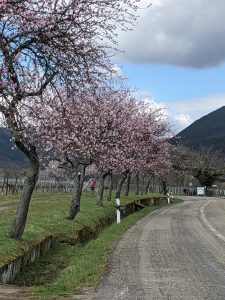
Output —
<point x="86" y="262"/>
<point x="47" y="216"/>
<point x="72" y="268"/>
<point x="65" y="269"/>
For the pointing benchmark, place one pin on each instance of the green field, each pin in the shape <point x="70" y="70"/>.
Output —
<point x="65" y="269"/>
<point x="47" y="216"/>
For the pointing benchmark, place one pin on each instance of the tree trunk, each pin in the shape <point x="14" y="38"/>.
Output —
<point x="142" y="185"/>
<point x="82" y="175"/>
<point x="75" y="201"/>
<point x="3" y="183"/>
<point x="128" y="184"/>
<point x="7" y="183"/>
<point x="15" y="184"/>
<point x="101" y="188"/>
<point x="164" y="187"/>
<point x="147" y="185"/>
<point x="137" y="185"/>
<point x="20" y="219"/>
<point x="83" y="169"/>
<point x="109" y="195"/>
<point x="120" y="184"/>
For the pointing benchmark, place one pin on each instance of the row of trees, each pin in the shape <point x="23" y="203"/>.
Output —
<point x="55" y="67"/>
<point x="109" y="130"/>
<point x="204" y="167"/>
<point x="61" y="100"/>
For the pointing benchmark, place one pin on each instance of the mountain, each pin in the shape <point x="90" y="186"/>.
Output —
<point x="9" y="157"/>
<point x="206" y="131"/>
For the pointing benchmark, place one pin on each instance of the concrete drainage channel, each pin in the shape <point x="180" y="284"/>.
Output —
<point x="9" y="270"/>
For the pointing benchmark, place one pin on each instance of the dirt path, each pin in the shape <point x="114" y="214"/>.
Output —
<point x="176" y="253"/>
<point x="9" y="292"/>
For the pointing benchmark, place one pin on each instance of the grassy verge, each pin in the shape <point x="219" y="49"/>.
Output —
<point x="47" y="217"/>
<point x="66" y="269"/>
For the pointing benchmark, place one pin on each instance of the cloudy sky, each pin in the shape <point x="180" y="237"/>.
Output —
<point x="176" y="57"/>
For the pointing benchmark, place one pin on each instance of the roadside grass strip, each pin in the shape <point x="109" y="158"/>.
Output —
<point x="47" y="216"/>
<point x="66" y="270"/>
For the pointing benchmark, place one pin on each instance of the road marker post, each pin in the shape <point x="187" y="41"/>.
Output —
<point x="168" y="198"/>
<point x="118" y="210"/>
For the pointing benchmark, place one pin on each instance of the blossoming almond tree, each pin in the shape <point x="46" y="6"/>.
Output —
<point x="104" y="126"/>
<point x="81" y="129"/>
<point x="49" y="43"/>
<point x="143" y="142"/>
<point x="155" y="158"/>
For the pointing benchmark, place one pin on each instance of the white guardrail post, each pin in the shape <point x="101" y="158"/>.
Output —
<point x="118" y="211"/>
<point x="168" y="198"/>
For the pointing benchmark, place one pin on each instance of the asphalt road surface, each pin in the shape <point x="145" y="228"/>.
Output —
<point x="176" y="253"/>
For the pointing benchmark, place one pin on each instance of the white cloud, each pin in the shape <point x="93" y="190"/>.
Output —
<point x="153" y="102"/>
<point x="177" y="32"/>
<point x="197" y="107"/>
<point x="183" y="120"/>
<point x="193" y="109"/>
<point x="149" y="99"/>
<point x="183" y="112"/>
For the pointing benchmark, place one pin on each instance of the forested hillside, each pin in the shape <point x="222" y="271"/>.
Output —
<point x="7" y="155"/>
<point x="207" y="131"/>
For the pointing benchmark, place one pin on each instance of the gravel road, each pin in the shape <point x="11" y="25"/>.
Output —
<point x="176" y="253"/>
